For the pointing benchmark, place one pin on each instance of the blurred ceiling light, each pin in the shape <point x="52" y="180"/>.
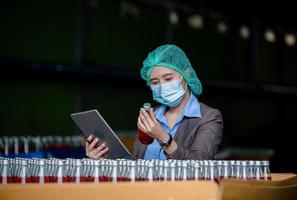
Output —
<point x="222" y="27"/>
<point x="195" y="21"/>
<point x="244" y="32"/>
<point x="129" y="9"/>
<point x="290" y="39"/>
<point x="173" y="17"/>
<point x="269" y="36"/>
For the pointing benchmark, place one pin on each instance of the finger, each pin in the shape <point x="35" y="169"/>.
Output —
<point x="98" y="149"/>
<point x="94" y="152"/>
<point x="90" y="138"/>
<point x="101" y="153"/>
<point x="146" y="114"/>
<point x="145" y="123"/>
<point x="153" y="116"/>
<point x="141" y="126"/>
<point x="88" y="141"/>
<point x="93" y="143"/>
<point x="147" y="117"/>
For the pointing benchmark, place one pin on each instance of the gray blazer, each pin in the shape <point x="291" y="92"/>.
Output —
<point x="196" y="138"/>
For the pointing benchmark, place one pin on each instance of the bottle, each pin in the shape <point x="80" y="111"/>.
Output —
<point x="211" y="170"/>
<point x="184" y="170"/>
<point x="206" y="170"/>
<point x="219" y="170"/>
<point x="232" y="169"/>
<point x="244" y="169"/>
<point x="172" y="171"/>
<point x="150" y="171"/>
<point x="4" y="171"/>
<point x="58" y="177"/>
<point x="41" y="171"/>
<point x="23" y="171"/>
<point x="133" y="171"/>
<point x="238" y="169"/>
<point x="258" y="173"/>
<point x="143" y="137"/>
<point x="251" y="169"/>
<point x="226" y="170"/>
<point x="266" y="171"/>
<point x="114" y="174"/>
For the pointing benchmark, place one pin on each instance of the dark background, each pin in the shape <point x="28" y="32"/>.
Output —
<point x="62" y="56"/>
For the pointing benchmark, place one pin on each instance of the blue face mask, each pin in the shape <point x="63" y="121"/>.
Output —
<point x="169" y="94"/>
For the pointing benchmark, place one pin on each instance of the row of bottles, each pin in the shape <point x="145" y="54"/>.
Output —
<point x="25" y="144"/>
<point x="23" y="170"/>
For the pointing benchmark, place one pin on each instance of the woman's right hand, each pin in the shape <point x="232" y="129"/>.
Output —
<point x="94" y="152"/>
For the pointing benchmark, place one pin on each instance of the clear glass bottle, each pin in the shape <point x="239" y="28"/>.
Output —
<point x="143" y="137"/>
<point x="184" y="170"/>
<point x="4" y="171"/>
<point x="96" y="171"/>
<point x="133" y="171"/>
<point x="226" y="169"/>
<point x="197" y="175"/>
<point x="150" y="176"/>
<point x="251" y="169"/>
<point x="244" y="170"/>
<point x="258" y="171"/>
<point x="238" y="169"/>
<point x="58" y="177"/>
<point x="172" y="171"/>
<point x="266" y="171"/>
<point x="219" y="170"/>
<point x="23" y="173"/>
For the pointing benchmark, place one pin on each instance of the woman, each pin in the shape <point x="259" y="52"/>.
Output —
<point x="182" y="127"/>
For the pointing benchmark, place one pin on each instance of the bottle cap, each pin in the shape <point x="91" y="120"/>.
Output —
<point x="147" y="106"/>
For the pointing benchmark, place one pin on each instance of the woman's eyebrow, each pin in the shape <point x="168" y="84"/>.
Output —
<point x="154" y="79"/>
<point x="167" y="74"/>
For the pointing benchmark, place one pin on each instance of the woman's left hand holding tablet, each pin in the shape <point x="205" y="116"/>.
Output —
<point x="95" y="149"/>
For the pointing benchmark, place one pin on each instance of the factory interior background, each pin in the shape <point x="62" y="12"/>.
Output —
<point x="61" y="57"/>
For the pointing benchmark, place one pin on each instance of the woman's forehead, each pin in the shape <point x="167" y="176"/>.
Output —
<point x="161" y="70"/>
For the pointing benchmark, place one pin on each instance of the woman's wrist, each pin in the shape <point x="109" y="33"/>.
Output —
<point x="163" y="137"/>
<point x="171" y="148"/>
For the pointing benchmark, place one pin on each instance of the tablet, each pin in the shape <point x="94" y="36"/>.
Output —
<point x="92" y="123"/>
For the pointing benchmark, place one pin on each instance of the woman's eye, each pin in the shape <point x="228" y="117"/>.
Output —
<point x="154" y="83"/>
<point x="168" y="79"/>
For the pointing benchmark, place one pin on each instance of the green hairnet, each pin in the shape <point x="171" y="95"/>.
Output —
<point x="174" y="58"/>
